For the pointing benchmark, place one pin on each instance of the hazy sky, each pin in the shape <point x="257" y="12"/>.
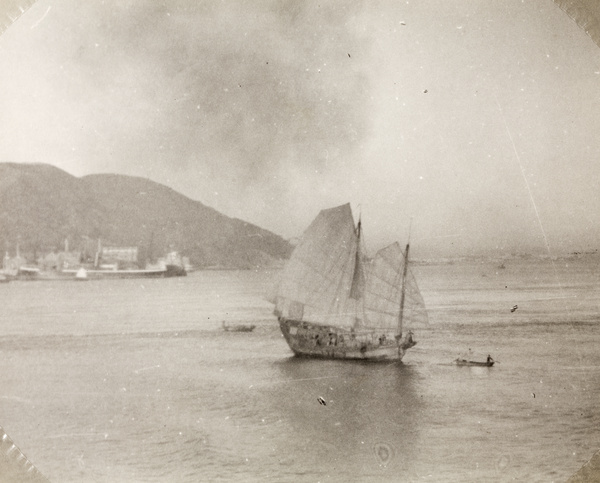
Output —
<point x="479" y="120"/>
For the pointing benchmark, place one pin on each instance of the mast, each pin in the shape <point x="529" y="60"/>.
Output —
<point x="357" y="287"/>
<point x="403" y="293"/>
<point x="98" y="254"/>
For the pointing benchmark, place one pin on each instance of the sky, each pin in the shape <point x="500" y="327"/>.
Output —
<point x="473" y="125"/>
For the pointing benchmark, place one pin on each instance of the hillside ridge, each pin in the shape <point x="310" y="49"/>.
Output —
<point x="42" y="206"/>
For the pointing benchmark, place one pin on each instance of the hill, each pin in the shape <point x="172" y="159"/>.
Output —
<point x="41" y="206"/>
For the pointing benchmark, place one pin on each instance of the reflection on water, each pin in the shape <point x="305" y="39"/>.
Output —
<point x="369" y="425"/>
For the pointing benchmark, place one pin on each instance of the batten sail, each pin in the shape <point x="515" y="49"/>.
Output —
<point x="415" y="313"/>
<point x="382" y="292"/>
<point x="317" y="281"/>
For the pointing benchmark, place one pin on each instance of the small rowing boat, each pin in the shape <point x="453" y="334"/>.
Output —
<point x="237" y="327"/>
<point x="464" y="362"/>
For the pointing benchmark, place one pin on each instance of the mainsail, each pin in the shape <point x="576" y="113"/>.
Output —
<point x="317" y="280"/>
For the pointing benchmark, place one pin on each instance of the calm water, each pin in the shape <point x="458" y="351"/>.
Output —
<point x="134" y="381"/>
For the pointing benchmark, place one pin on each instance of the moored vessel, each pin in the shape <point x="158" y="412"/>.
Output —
<point x="95" y="274"/>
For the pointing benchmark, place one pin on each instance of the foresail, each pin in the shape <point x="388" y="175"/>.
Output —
<point x="383" y="288"/>
<point x="415" y="313"/>
<point x="384" y="292"/>
<point x="316" y="282"/>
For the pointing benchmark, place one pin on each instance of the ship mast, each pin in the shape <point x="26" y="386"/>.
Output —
<point x="403" y="293"/>
<point x="357" y="288"/>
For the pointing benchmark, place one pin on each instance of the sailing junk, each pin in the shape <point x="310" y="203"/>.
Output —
<point x="333" y="302"/>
